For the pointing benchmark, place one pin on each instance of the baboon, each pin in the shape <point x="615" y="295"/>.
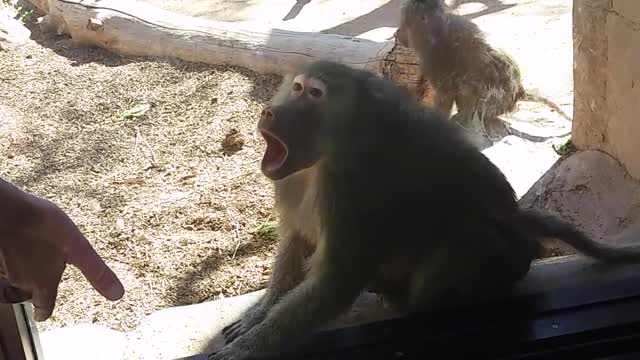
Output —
<point x="376" y="191"/>
<point x="460" y="64"/>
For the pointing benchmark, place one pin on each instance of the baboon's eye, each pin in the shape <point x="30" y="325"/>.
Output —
<point x="297" y="87"/>
<point x="315" y="92"/>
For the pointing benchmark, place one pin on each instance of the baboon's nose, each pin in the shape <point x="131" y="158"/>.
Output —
<point x="267" y="114"/>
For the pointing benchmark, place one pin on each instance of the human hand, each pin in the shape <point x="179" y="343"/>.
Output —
<point x="37" y="241"/>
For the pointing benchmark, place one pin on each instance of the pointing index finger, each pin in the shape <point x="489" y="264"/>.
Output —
<point x="82" y="255"/>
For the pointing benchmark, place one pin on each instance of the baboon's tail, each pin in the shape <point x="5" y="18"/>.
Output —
<point x="531" y="96"/>
<point x="539" y="225"/>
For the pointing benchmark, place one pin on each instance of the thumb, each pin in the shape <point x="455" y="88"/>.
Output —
<point x="81" y="254"/>
<point x="12" y="295"/>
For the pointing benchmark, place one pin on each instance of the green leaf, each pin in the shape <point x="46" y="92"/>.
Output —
<point x="564" y="148"/>
<point x="267" y="231"/>
<point x="134" y="112"/>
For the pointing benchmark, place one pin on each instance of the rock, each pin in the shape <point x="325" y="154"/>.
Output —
<point x="592" y="190"/>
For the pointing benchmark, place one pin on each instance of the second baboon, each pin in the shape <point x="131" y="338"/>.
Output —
<point x="460" y="64"/>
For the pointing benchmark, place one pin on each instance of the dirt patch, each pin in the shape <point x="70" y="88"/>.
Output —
<point x="170" y="195"/>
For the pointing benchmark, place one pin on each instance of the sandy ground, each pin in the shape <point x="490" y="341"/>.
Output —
<point x="171" y="205"/>
<point x="173" y="199"/>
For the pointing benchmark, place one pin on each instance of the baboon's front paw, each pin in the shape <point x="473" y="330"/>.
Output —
<point x="236" y="329"/>
<point x="239" y="327"/>
<point x="231" y="327"/>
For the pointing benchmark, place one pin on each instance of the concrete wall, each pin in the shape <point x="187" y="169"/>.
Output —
<point x="607" y="79"/>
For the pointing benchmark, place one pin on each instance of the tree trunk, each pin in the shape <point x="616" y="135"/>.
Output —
<point x="135" y="28"/>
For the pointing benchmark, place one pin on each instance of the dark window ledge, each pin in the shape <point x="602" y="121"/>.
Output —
<point x="569" y="307"/>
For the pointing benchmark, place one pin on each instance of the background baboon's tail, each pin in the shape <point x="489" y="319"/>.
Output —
<point x="542" y="225"/>
<point x="529" y="95"/>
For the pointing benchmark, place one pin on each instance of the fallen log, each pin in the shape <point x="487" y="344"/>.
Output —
<point x="135" y="28"/>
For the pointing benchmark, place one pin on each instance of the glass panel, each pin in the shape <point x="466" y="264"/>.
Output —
<point x="18" y="333"/>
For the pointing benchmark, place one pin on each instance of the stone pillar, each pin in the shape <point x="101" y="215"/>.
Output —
<point x="606" y="47"/>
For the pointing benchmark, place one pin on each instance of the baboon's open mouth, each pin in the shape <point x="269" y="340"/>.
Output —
<point x="276" y="152"/>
